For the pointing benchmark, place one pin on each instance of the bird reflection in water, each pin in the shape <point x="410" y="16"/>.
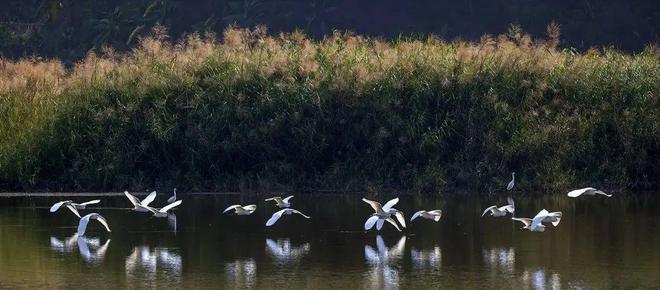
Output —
<point x="501" y="259"/>
<point x="283" y="252"/>
<point x="171" y="221"/>
<point x="539" y="279"/>
<point x="145" y="263"/>
<point x="243" y="273"/>
<point x="90" y="249"/>
<point x="427" y="258"/>
<point x="381" y="273"/>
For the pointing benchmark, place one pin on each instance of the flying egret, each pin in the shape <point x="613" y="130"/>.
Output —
<point x="141" y="206"/>
<point x="434" y="215"/>
<point x="82" y="225"/>
<point x="512" y="182"/>
<point x="163" y="211"/>
<point x="287" y="211"/>
<point x="72" y="206"/>
<point x="172" y="199"/>
<point x="587" y="191"/>
<point x="241" y="210"/>
<point x="528" y="225"/>
<point x="281" y="202"/>
<point x="536" y="224"/>
<point x="501" y="211"/>
<point x="387" y="210"/>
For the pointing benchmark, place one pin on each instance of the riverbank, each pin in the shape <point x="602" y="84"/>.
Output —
<point x="258" y="113"/>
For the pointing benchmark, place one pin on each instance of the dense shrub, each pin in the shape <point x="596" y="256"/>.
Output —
<point x="345" y="113"/>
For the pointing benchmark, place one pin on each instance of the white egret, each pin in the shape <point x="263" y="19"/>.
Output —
<point x="172" y="199"/>
<point x="434" y="215"/>
<point x="72" y="206"/>
<point x="141" y="206"/>
<point x="82" y="225"/>
<point x="287" y="211"/>
<point x="500" y="211"/>
<point x="281" y="202"/>
<point x="387" y="210"/>
<point x="536" y="224"/>
<point x="512" y="183"/>
<point x="163" y="211"/>
<point x="587" y="191"/>
<point x="241" y="210"/>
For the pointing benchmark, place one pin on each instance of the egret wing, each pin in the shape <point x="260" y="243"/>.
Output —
<point x="276" y="216"/>
<point x="436" y="212"/>
<point x="379" y="224"/>
<point x="370" y="222"/>
<point x="134" y="200"/>
<point x="416" y="215"/>
<point x="251" y="207"/>
<point x="490" y="208"/>
<point x="374" y="204"/>
<point x="525" y="221"/>
<point x="149" y="199"/>
<point x="102" y="220"/>
<point x="287" y="198"/>
<point x="578" y="192"/>
<point x="277" y="199"/>
<point x="82" y="225"/>
<point x="388" y="205"/>
<point x="91" y="202"/>
<point x="57" y="206"/>
<point x="508" y="208"/>
<point x="170" y="206"/>
<point x="73" y="209"/>
<point x="300" y="213"/>
<point x="602" y="193"/>
<point x="400" y="218"/>
<point x="231" y="207"/>
<point x="390" y="220"/>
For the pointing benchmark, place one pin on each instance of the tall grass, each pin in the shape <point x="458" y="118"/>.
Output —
<point x="345" y="113"/>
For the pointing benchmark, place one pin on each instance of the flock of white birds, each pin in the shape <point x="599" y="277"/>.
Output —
<point x="382" y="213"/>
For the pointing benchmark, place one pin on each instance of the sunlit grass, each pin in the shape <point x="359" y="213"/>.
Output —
<point x="347" y="112"/>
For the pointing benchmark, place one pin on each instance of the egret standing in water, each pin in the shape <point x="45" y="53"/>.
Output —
<point x="82" y="225"/>
<point x="241" y="210"/>
<point x="72" y="206"/>
<point x="512" y="183"/>
<point x="434" y="215"/>
<point x="280" y="202"/>
<point x="287" y="211"/>
<point x="501" y="211"/>
<point x="587" y="191"/>
<point x="172" y="199"/>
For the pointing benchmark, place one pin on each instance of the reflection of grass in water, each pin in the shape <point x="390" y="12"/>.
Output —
<point x="257" y="112"/>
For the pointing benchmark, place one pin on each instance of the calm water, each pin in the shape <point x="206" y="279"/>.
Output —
<point x="600" y="243"/>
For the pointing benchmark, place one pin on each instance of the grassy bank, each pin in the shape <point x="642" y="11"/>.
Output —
<point x="257" y="112"/>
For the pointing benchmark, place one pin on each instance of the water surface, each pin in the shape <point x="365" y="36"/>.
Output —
<point x="600" y="243"/>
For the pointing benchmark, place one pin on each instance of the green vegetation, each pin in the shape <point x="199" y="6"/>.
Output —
<point x="345" y="113"/>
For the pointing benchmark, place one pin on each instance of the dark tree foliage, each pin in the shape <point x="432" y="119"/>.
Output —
<point x="68" y="29"/>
